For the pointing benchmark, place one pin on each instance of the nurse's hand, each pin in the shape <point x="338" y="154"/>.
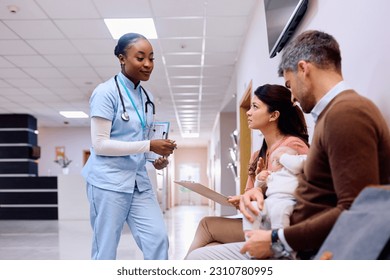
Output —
<point x="160" y="163"/>
<point x="162" y="147"/>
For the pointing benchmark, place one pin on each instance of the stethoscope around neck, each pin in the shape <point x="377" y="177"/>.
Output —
<point x="125" y="115"/>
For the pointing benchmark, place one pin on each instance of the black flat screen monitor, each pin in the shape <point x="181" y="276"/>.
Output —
<point x="282" y="18"/>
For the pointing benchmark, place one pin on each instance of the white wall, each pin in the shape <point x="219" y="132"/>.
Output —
<point x="74" y="139"/>
<point x="362" y="30"/>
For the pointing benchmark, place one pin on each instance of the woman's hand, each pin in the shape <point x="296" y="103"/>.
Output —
<point x="245" y="203"/>
<point x="160" y="163"/>
<point x="162" y="147"/>
<point x="235" y="200"/>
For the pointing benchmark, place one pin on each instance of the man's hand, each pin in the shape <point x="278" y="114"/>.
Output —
<point x="258" y="246"/>
<point x="245" y="203"/>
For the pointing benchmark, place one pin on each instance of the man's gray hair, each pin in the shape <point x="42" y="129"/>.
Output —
<point x="312" y="46"/>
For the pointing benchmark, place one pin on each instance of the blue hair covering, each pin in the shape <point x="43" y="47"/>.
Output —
<point x="126" y="40"/>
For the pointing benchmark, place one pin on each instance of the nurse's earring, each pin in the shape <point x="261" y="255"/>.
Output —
<point x="121" y="60"/>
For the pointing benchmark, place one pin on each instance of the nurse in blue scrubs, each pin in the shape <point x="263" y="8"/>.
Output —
<point x="119" y="190"/>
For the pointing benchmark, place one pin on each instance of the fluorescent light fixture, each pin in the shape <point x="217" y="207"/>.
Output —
<point x="74" y="114"/>
<point x="190" y="135"/>
<point x="120" y="26"/>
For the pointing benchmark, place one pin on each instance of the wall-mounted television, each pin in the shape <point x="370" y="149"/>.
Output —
<point x="282" y="18"/>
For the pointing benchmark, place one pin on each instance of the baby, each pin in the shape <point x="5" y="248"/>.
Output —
<point x="280" y="182"/>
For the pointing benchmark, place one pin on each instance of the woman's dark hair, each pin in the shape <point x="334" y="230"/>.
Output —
<point x="125" y="41"/>
<point x="291" y="120"/>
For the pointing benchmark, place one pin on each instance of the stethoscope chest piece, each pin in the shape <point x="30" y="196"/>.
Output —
<point x="125" y="116"/>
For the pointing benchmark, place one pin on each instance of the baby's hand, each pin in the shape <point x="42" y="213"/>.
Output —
<point x="262" y="176"/>
<point x="260" y="165"/>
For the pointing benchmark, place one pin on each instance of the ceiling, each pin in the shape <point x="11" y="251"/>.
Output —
<point x="53" y="54"/>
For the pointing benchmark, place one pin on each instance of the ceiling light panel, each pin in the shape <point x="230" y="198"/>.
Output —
<point x="74" y="114"/>
<point x="185" y="106"/>
<point x="188" y="111"/>
<point x="183" y="101"/>
<point x="120" y="26"/>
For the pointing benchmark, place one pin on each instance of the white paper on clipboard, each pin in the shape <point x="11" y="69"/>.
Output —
<point x="158" y="131"/>
<point x="206" y="192"/>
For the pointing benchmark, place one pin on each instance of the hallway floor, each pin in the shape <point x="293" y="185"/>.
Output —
<point x="71" y="239"/>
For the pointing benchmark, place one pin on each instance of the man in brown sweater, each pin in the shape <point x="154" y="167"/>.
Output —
<point x="350" y="150"/>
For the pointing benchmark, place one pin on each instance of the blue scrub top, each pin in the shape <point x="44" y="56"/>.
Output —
<point x="119" y="173"/>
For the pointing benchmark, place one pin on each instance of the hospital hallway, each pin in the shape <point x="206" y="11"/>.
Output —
<point x="71" y="239"/>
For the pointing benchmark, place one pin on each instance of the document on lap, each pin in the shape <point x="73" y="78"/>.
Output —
<point x="205" y="191"/>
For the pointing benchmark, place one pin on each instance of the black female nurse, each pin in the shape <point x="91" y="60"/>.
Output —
<point x="118" y="187"/>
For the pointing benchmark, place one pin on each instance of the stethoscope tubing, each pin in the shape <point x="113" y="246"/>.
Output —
<point x="125" y="115"/>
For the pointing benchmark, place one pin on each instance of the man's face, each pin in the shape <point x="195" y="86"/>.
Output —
<point x="299" y="85"/>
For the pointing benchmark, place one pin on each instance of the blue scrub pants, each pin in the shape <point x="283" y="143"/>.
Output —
<point x="109" y="211"/>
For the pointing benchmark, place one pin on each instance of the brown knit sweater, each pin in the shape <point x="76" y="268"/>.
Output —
<point x="350" y="150"/>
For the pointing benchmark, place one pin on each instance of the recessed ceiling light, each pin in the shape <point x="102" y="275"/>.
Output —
<point x="74" y="114"/>
<point x="120" y="26"/>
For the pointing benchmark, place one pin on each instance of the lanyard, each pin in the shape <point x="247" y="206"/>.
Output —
<point x="132" y="102"/>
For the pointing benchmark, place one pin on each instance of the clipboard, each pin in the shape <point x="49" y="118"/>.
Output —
<point x="158" y="131"/>
<point x="205" y="191"/>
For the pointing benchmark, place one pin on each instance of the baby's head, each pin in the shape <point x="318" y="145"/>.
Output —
<point x="275" y="156"/>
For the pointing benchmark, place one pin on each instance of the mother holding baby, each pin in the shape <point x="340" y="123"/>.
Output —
<point x="282" y="124"/>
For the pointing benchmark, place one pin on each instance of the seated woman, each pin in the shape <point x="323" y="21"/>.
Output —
<point x="283" y="125"/>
